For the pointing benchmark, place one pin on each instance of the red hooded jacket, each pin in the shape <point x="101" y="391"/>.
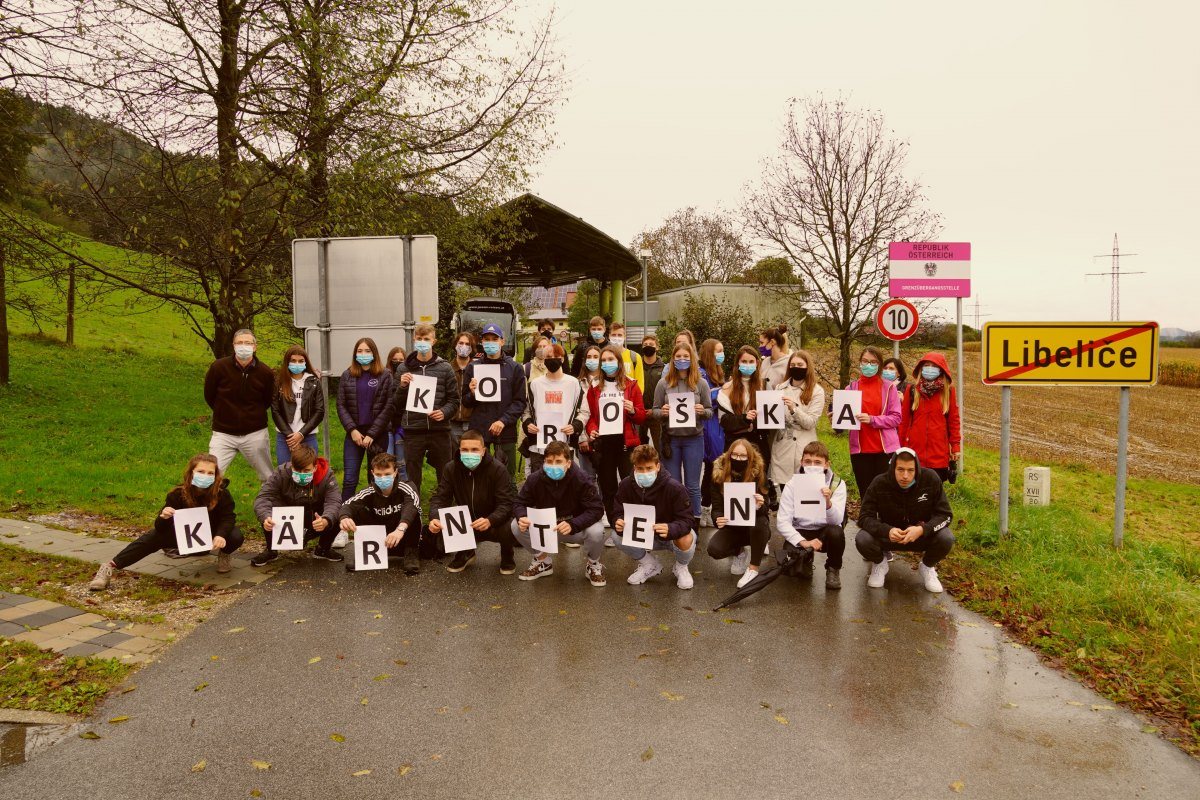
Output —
<point x="931" y="431"/>
<point x="632" y="421"/>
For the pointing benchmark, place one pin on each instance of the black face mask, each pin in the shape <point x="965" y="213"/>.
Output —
<point x="738" y="467"/>
<point x="649" y="352"/>
<point x="553" y="364"/>
<point x="797" y="373"/>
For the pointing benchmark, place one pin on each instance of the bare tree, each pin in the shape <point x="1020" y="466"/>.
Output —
<point x="831" y="201"/>
<point x="693" y="247"/>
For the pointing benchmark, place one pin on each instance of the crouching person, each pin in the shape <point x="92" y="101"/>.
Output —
<point x="744" y="545"/>
<point x="393" y="503"/>
<point x="807" y="538"/>
<point x="578" y="509"/>
<point x="651" y="485"/>
<point x="202" y="487"/>
<point x="905" y="509"/>
<point x="481" y="483"/>
<point x="308" y="482"/>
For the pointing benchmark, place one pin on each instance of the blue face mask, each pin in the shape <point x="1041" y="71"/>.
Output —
<point x="719" y="358"/>
<point x="889" y="374"/>
<point x="592" y="364"/>
<point x="296" y="369"/>
<point x="302" y="478"/>
<point x="610" y="368"/>
<point x="598" y="336"/>
<point x="364" y="359"/>
<point x="384" y="482"/>
<point x="645" y="479"/>
<point x="930" y="373"/>
<point x="747" y="369"/>
<point x="203" y="481"/>
<point x="868" y="370"/>
<point x="491" y="348"/>
<point x="555" y="473"/>
<point x="470" y="460"/>
<point x="682" y="365"/>
<point x="422" y="347"/>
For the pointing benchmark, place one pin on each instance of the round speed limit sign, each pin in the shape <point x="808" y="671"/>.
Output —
<point x="897" y="319"/>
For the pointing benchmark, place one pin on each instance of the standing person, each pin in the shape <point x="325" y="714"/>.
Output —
<point x="736" y="400"/>
<point x="577" y="508"/>
<point x="498" y="420"/>
<point x="894" y="370"/>
<point x="712" y="359"/>
<point x="298" y="405"/>
<point x="363" y="406"/>
<point x="830" y="537"/>
<point x="392" y="502"/>
<point x="685" y="461"/>
<point x="804" y="403"/>
<point x="464" y="351"/>
<point x="202" y="487"/>
<point x="905" y="508"/>
<point x="395" y="358"/>
<point x="555" y="396"/>
<point x="591" y="376"/>
<point x="425" y="434"/>
<point x="239" y="390"/>
<point x="545" y="330"/>
<point x="308" y="482"/>
<point x="633" y="362"/>
<point x="871" y="446"/>
<point x="929" y="421"/>
<point x="482" y="484"/>
<point x="686" y="336"/>
<point x="650" y="485"/>
<point x="773" y="346"/>
<point x="653" y="367"/>
<point x="597" y="336"/>
<point x="535" y="359"/>
<point x="613" y="449"/>
<point x="744" y="545"/>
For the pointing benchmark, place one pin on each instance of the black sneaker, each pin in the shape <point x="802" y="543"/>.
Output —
<point x="411" y="562"/>
<point x="508" y="564"/>
<point x="172" y="552"/>
<point x="264" y="558"/>
<point x="806" y="564"/>
<point x="327" y="554"/>
<point x="460" y="561"/>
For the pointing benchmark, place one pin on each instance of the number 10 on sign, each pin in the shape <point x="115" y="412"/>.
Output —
<point x="897" y="319"/>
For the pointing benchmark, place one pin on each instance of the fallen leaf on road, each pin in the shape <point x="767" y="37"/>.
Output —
<point x="731" y="621"/>
<point x="374" y="633"/>
<point x="442" y="709"/>
<point x="360" y="773"/>
<point x="314" y="659"/>
<point x="1103" y="708"/>
<point x="1149" y="729"/>
<point x="671" y="695"/>
<point x="362" y="702"/>
<point x="884" y="629"/>
<point x="460" y="626"/>
<point x="858" y="621"/>
<point x="199" y="766"/>
<point x="299" y="621"/>
<point x="235" y="630"/>
<point x="256" y="792"/>
<point x="1074" y="703"/>
<point x="562" y="612"/>
<point x="970" y="624"/>
<point x="128" y="689"/>
<point x="781" y="719"/>
<point x="764" y="705"/>
<point x="117" y="720"/>
<point x="496" y="607"/>
<point x="200" y="687"/>
<point x="436" y="757"/>
<point x="466" y="709"/>
<point x="648" y="754"/>
<point x="708" y="677"/>
<point x="664" y="628"/>
<point x="263" y="765"/>
<point x="1010" y="705"/>
<point x="337" y="737"/>
<point x="957" y="786"/>
<point x="400" y="662"/>
<point x="379" y="616"/>
<point x="404" y="770"/>
<point x="644" y="604"/>
<point x="631" y="617"/>
<point x="695" y="633"/>
<point x="382" y="677"/>
<point x="214" y="658"/>
<point x="89" y="735"/>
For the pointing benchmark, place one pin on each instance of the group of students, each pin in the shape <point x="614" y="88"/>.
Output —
<point x="908" y="441"/>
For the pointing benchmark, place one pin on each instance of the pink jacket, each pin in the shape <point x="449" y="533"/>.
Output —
<point x="887" y="423"/>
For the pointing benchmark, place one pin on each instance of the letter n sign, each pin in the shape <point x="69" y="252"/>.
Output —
<point x="193" y="531"/>
<point x="456" y="528"/>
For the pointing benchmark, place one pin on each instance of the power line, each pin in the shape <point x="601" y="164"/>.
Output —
<point x="978" y="316"/>
<point x="1114" y="310"/>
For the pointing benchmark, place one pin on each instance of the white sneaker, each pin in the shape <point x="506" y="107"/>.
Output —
<point x="648" y="567"/>
<point x="341" y="540"/>
<point x="878" y="573"/>
<point x="738" y="564"/>
<point x="930" y="578"/>
<point x="706" y="520"/>
<point x="683" y="578"/>
<point x="750" y="575"/>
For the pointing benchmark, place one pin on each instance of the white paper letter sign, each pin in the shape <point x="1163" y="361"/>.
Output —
<point x="770" y="410"/>
<point x="612" y="414"/>
<point x="421" y="391"/>
<point x="456" y="528"/>
<point x="808" y="504"/>
<point x="549" y="430"/>
<point x="487" y="383"/>
<point x="287" y="533"/>
<point x="740" y="507"/>
<point x="193" y="531"/>
<point x="542" y="522"/>
<point x="847" y="405"/>
<point x="639" y="526"/>
<point x="370" y="550"/>
<point x="682" y="409"/>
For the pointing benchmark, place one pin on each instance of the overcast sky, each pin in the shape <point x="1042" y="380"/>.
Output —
<point x="1038" y="129"/>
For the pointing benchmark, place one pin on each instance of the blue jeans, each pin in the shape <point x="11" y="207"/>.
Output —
<point x="637" y="554"/>
<point x="396" y="448"/>
<point x="687" y="455"/>
<point x="283" y="455"/>
<point x="353" y="457"/>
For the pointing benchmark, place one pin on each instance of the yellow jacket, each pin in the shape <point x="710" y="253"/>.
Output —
<point x="633" y="367"/>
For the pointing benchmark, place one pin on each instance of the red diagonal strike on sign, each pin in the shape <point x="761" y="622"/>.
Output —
<point x="1116" y="337"/>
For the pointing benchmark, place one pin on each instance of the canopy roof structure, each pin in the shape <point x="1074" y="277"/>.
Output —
<point x="553" y="248"/>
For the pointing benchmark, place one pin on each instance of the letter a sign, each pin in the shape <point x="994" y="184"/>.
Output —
<point x="193" y="531"/>
<point x="288" y="531"/>
<point x="847" y="405"/>
<point x="457" y="533"/>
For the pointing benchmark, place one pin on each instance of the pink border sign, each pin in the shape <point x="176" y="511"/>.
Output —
<point x="929" y="269"/>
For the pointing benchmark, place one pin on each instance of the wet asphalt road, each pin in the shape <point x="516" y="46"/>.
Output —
<point x="478" y="685"/>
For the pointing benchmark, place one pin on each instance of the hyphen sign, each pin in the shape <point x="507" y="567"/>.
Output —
<point x="929" y="269"/>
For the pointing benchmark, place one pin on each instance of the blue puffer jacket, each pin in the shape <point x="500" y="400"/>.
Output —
<point x="714" y="435"/>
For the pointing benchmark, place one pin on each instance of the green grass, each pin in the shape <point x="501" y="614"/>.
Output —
<point x="40" y="680"/>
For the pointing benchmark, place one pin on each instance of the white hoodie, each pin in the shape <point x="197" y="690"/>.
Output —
<point x="789" y="527"/>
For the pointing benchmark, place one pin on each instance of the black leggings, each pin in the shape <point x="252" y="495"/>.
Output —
<point x="867" y="467"/>
<point x="706" y="485"/>
<point x="728" y="542"/>
<point x="613" y="466"/>
<point x="161" y="538"/>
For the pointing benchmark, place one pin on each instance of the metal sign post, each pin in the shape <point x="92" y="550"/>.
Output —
<point x="958" y="314"/>
<point x="323" y="325"/>
<point x="1005" y="441"/>
<point x="1122" y="453"/>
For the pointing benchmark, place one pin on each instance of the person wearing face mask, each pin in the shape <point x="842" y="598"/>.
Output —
<point x="633" y="362"/>
<point x="871" y="446"/>
<point x="894" y="370"/>
<point x="425" y="435"/>
<point x="364" y="407"/>
<point x="392" y="502"/>
<point x="804" y="403"/>
<point x="498" y="421"/>
<point x="240" y="389"/>
<point x="685" y="461"/>
<point x="554" y="398"/>
<point x="652" y="367"/>
<point x="298" y="406"/>
<point x="586" y="458"/>
<point x="905" y="509"/>
<point x="773" y="347"/>
<point x="736" y="401"/>
<point x="395" y="358"/>
<point x="482" y="484"/>
<point x="597" y="336"/>
<point x="535" y="364"/>
<point x="929" y="421"/>
<point x="673" y="520"/>
<point x="545" y="330"/>
<point x="202" y="487"/>
<point x="807" y="539"/>
<point x="464" y="351"/>
<point x="712" y="369"/>
<point x="577" y="508"/>
<point x="744" y="545"/>
<point x="613" y="449"/>
<point x="308" y="482"/>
